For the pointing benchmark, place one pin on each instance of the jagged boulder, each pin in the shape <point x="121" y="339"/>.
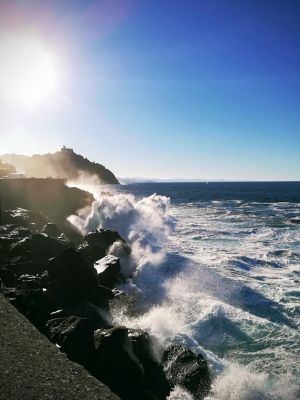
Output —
<point x="22" y="217"/>
<point x="101" y="296"/>
<point x="108" y="271"/>
<point x="75" y="336"/>
<point x="7" y="276"/>
<point x="187" y="369"/>
<point x="115" y="362"/>
<point x="40" y="244"/>
<point x="96" y="244"/>
<point x="71" y="279"/>
<point x="51" y="230"/>
<point x="34" y="304"/>
<point x="155" y="378"/>
<point x="6" y="242"/>
<point x="27" y="263"/>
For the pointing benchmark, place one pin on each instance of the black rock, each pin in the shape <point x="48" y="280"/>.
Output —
<point x="7" y="276"/>
<point x="95" y="245"/>
<point x="34" y="304"/>
<point x="101" y="296"/>
<point x="83" y="309"/>
<point x="155" y="379"/>
<point x="29" y="282"/>
<point x="51" y="230"/>
<point x="71" y="278"/>
<point x="75" y="336"/>
<point x="6" y="242"/>
<point x="187" y="369"/>
<point x="108" y="271"/>
<point x="27" y="263"/>
<point x="22" y="217"/>
<point x="115" y="362"/>
<point x="40" y="244"/>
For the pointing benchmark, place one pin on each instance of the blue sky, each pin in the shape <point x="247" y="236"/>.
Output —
<point x="166" y="89"/>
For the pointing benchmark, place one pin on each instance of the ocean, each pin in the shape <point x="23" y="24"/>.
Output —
<point x="215" y="266"/>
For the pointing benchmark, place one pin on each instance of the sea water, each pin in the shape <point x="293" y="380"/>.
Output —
<point x="216" y="266"/>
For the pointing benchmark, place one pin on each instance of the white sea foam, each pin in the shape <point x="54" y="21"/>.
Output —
<point x="217" y="286"/>
<point x="238" y="383"/>
<point x="145" y="224"/>
<point x="178" y="393"/>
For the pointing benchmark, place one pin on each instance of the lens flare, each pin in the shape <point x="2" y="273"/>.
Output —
<point x="28" y="71"/>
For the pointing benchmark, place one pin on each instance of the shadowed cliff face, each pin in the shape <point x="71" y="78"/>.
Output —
<point x="48" y="196"/>
<point x="62" y="164"/>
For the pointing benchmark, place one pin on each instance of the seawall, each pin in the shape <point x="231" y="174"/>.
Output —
<point x="33" y="368"/>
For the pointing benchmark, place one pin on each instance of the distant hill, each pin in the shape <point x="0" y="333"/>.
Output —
<point x="63" y="164"/>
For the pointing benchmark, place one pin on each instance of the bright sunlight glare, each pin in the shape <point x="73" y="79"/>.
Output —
<point x="28" y="71"/>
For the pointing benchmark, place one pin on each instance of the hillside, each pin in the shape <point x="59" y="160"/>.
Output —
<point x="63" y="164"/>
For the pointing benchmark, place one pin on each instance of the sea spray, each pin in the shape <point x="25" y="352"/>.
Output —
<point x="145" y="224"/>
<point x="202" y="301"/>
<point x="239" y="383"/>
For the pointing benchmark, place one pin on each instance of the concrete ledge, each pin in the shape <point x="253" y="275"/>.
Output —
<point x="32" y="368"/>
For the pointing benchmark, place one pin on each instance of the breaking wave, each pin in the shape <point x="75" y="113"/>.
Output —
<point x="212" y="284"/>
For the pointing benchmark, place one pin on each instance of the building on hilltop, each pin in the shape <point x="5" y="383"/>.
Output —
<point x="65" y="149"/>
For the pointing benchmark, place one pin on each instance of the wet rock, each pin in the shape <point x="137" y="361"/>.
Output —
<point x="96" y="244"/>
<point x="34" y="304"/>
<point x="187" y="369"/>
<point x="19" y="233"/>
<point x="108" y="271"/>
<point x="29" y="282"/>
<point x="27" y="267"/>
<point x="71" y="279"/>
<point x="155" y="379"/>
<point x="25" y="218"/>
<point x="115" y="362"/>
<point x="27" y="263"/>
<point x="6" y="242"/>
<point x="40" y="244"/>
<point x="7" y="276"/>
<point x="84" y="309"/>
<point x="51" y="230"/>
<point x="101" y="296"/>
<point x="75" y="336"/>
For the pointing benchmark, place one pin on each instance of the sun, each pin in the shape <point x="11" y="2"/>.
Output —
<point x="28" y="71"/>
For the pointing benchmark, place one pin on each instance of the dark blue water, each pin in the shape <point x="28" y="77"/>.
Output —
<point x="227" y="282"/>
<point x="269" y="192"/>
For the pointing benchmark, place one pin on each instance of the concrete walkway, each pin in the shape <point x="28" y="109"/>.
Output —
<point x="32" y="368"/>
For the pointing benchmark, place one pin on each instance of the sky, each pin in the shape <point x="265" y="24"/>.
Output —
<point x="157" y="89"/>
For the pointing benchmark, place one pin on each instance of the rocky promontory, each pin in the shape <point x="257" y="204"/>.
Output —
<point x="64" y="164"/>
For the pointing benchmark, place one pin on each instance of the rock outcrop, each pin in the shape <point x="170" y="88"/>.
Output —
<point x="62" y="164"/>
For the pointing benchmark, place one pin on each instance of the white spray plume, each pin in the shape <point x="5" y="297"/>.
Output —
<point x="84" y="179"/>
<point x="239" y="383"/>
<point x="145" y="224"/>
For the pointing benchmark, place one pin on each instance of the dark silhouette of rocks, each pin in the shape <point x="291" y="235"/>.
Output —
<point x="95" y="244"/>
<point x="62" y="164"/>
<point x="51" y="197"/>
<point x="108" y="271"/>
<point x="66" y="290"/>
<point x="187" y="369"/>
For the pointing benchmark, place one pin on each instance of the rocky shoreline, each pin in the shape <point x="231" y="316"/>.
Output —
<point x="65" y="289"/>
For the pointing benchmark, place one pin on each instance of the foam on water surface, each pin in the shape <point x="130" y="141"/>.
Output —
<point x="225" y="283"/>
